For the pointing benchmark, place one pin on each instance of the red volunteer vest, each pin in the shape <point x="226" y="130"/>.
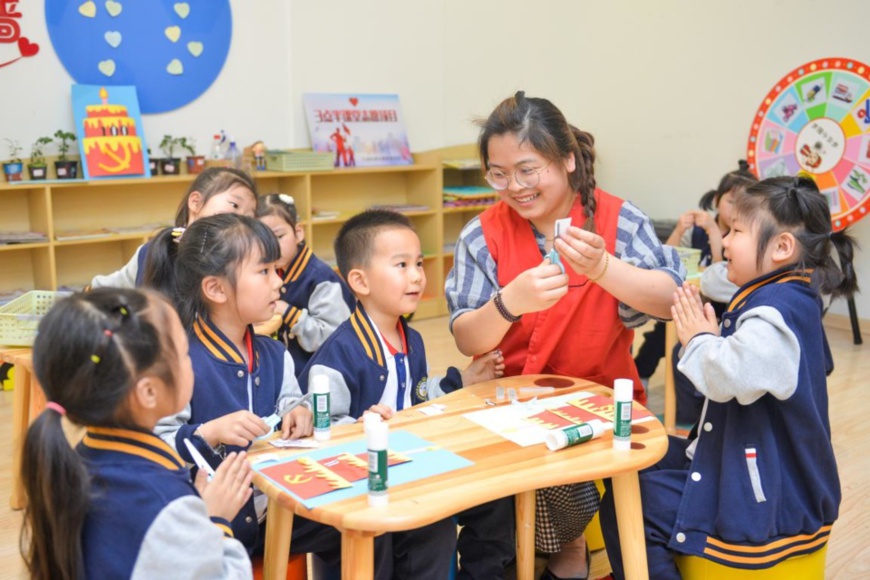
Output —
<point x="579" y="336"/>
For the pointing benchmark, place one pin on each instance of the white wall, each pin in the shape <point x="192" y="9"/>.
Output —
<point x="668" y="87"/>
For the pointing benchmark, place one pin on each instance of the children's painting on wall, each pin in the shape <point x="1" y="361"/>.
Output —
<point x="360" y="130"/>
<point x="109" y="129"/>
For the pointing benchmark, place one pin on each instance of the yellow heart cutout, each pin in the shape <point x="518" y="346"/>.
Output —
<point x="173" y="33"/>
<point x="195" y="48"/>
<point x="113" y="8"/>
<point x="107" y="67"/>
<point x="88" y="9"/>
<point x="182" y="9"/>
<point x="175" y="67"/>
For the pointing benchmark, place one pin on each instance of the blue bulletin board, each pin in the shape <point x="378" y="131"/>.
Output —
<point x="170" y="51"/>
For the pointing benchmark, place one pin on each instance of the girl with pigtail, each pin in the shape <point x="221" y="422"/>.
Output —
<point x="121" y="504"/>
<point x="561" y="302"/>
<point x="757" y="481"/>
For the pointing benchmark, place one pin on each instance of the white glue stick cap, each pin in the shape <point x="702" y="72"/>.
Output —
<point x="623" y="390"/>
<point x="319" y="384"/>
<point x="377" y="435"/>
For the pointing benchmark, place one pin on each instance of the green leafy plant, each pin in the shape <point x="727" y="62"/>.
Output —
<point x="188" y="144"/>
<point x="64" y="142"/>
<point x="37" y="151"/>
<point x="14" y="150"/>
<point x="169" y="144"/>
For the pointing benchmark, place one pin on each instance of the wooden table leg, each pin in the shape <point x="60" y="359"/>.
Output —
<point x="20" y="423"/>
<point x="670" y="388"/>
<point x="357" y="555"/>
<point x="279" y="527"/>
<point x="626" y="497"/>
<point x="525" y="504"/>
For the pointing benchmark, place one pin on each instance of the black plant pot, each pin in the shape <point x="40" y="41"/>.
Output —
<point x="154" y="164"/>
<point x="37" y="172"/>
<point x="66" y="169"/>
<point x="170" y="166"/>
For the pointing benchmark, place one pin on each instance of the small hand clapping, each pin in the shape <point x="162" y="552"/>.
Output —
<point x="691" y="316"/>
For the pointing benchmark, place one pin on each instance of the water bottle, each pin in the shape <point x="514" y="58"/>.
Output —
<point x="234" y="156"/>
<point x="217" y="152"/>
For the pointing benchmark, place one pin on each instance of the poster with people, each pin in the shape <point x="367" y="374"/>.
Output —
<point x="359" y="130"/>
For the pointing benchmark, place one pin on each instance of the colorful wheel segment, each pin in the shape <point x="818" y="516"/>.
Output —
<point x="817" y="119"/>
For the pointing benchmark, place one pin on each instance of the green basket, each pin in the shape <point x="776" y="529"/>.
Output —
<point x="277" y="160"/>
<point x="20" y="317"/>
<point x="690" y="258"/>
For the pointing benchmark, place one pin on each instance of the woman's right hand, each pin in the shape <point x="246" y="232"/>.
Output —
<point x="239" y="428"/>
<point x="535" y="289"/>
<point x="229" y="489"/>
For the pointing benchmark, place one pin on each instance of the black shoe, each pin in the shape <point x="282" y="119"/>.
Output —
<point x="547" y="575"/>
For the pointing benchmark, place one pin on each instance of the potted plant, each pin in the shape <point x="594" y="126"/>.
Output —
<point x="37" y="166"/>
<point x="195" y="163"/>
<point x="153" y="164"/>
<point x="64" y="167"/>
<point x="14" y="166"/>
<point x="170" y="165"/>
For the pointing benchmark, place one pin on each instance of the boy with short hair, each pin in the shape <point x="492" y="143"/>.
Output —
<point x="376" y="362"/>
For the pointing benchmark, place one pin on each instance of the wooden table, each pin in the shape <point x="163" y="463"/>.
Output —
<point x="501" y="468"/>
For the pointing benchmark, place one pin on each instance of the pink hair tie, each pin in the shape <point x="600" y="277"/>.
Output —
<point x="57" y="407"/>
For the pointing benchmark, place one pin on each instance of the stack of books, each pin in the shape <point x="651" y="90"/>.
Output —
<point x="469" y="195"/>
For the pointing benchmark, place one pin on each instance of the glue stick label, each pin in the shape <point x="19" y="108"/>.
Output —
<point x="377" y="471"/>
<point x="622" y="425"/>
<point x="321" y="411"/>
<point x="578" y="433"/>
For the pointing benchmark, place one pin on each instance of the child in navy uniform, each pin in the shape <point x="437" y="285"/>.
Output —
<point x="757" y="481"/>
<point x="215" y="190"/>
<point x="314" y="300"/>
<point x="121" y="504"/>
<point x="376" y="362"/>
<point x="221" y="276"/>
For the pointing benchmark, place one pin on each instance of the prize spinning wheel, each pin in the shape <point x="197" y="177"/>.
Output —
<point x="817" y="119"/>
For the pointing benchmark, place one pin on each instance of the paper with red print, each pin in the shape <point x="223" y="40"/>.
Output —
<point x="527" y="423"/>
<point x="356" y="467"/>
<point x="306" y="477"/>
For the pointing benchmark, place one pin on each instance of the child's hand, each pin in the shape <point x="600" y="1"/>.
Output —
<point x="382" y="410"/>
<point x="484" y="368"/>
<point x="239" y="428"/>
<point x="297" y="423"/>
<point x="583" y="251"/>
<point x="230" y="488"/>
<point x="686" y="221"/>
<point x="691" y="317"/>
<point x="535" y="289"/>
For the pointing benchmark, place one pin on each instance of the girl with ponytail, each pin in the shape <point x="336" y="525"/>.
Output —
<point x="561" y="302"/>
<point x="121" y="504"/>
<point x="770" y="486"/>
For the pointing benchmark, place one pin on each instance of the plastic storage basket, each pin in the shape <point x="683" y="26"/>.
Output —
<point x="20" y="317"/>
<point x="690" y="258"/>
<point x="277" y="160"/>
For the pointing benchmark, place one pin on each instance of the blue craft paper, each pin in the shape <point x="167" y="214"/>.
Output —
<point x="423" y="464"/>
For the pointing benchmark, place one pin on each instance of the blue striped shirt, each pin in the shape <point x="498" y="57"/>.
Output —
<point x="474" y="277"/>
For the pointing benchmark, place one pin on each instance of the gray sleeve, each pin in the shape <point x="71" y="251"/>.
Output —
<point x="339" y="394"/>
<point x="326" y="310"/>
<point x="168" y="427"/>
<point x="183" y="542"/>
<point x="715" y="284"/>
<point x="290" y="389"/>
<point x="637" y="244"/>
<point x="742" y="366"/>
<point x="686" y="238"/>
<point x="433" y="388"/>
<point x="123" y="278"/>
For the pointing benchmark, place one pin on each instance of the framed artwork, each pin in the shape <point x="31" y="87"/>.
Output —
<point x="360" y="130"/>
<point x="109" y="131"/>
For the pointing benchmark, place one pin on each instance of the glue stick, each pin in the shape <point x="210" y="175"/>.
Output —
<point x="623" y="390"/>
<point x="574" y="435"/>
<point x="320" y="390"/>
<point x="377" y="434"/>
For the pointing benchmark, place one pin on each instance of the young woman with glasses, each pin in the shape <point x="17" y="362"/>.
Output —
<point x="572" y="317"/>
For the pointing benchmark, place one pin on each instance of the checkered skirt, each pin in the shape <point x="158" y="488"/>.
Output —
<point x="562" y="513"/>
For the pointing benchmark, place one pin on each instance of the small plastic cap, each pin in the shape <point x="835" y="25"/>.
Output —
<point x="623" y="390"/>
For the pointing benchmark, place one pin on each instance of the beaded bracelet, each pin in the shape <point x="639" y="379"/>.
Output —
<point x="502" y="309"/>
<point x="604" y="271"/>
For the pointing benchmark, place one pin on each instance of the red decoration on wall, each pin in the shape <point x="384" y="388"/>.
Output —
<point x="10" y="35"/>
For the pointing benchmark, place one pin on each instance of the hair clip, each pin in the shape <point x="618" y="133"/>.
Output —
<point x="288" y="199"/>
<point x="56" y="407"/>
<point x="177" y="233"/>
<point x="124" y="312"/>
<point x="95" y="359"/>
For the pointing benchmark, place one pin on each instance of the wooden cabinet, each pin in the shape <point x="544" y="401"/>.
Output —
<point x="133" y="208"/>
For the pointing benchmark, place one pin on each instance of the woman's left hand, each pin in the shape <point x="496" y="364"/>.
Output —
<point x="297" y="423"/>
<point x="583" y="251"/>
<point x="691" y="316"/>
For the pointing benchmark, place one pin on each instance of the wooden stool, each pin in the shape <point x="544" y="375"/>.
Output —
<point x="297" y="567"/>
<point x="803" y="567"/>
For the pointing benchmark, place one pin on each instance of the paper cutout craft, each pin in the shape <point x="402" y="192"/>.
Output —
<point x="306" y="477"/>
<point x="356" y="467"/>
